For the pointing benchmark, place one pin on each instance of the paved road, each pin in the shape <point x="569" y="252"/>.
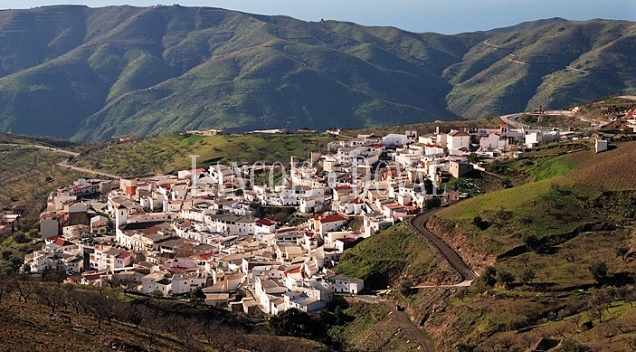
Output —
<point x="511" y="119"/>
<point x="453" y="258"/>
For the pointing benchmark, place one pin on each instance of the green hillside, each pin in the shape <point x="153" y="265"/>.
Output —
<point x="98" y="73"/>
<point x="548" y="236"/>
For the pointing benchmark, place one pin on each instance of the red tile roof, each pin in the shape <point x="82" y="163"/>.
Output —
<point x="203" y="256"/>
<point x="77" y="188"/>
<point x="265" y="222"/>
<point x="330" y="218"/>
<point x="339" y="188"/>
<point x="61" y="242"/>
<point x="123" y="255"/>
<point x="293" y="270"/>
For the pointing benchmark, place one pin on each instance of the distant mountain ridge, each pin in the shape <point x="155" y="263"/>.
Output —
<point x="98" y="73"/>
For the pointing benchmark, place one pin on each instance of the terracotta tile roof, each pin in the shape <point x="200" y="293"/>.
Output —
<point x="330" y="218"/>
<point x="265" y="222"/>
<point x="203" y="256"/>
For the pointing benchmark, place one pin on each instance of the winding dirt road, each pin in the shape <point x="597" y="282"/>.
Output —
<point x="407" y="325"/>
<point x="65" y="163"/>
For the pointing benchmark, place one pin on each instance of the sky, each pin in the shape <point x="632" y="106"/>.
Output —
<point x="446" y="16"/>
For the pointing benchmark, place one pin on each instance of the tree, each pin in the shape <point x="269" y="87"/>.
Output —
<point x="598" y="271"/>
<point x="294" y="322"/>
<point x="51" y="296"/>
<point x="77" y="299"/>
<point x="622" y="251"/>
<point x="54" y="275"/>
<point x="465" y="347"/>
<point x="505" y="278"/>
<point x="26" y="268"/>
<point x="532" y="242"/>
<point x="197" y="295"/>
<point x="527" y="276"/>
<point x="405" y="287"/>
<point x="6" y="286"/>
<point x="101" y="307"/>
<point x="630" y="296"/>
<point x="24" y="288"/>
<point x="569" y="345"/>
<point x="490" y="276"/>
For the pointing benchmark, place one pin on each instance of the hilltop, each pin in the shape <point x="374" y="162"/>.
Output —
<point x="97" y="73"/>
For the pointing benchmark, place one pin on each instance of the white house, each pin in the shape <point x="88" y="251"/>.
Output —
<point x="395" y="140"/>
<point x="345" y="284"/>
<point x="186" y="282"/>
<point x="159" y="280"/>
<point x="457" y="140"/>
<point x="326" y="223"/>
<point x="600" y="145"/>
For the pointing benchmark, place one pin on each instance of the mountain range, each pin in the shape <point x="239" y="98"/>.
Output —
<point x="98" y="73"/>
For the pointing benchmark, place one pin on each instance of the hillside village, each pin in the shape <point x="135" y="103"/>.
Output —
<point x="209" y="231"/>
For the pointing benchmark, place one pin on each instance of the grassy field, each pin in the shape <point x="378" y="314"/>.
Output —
<point x="560" y="121"/>
<point x="552" y="291"/>
<point x="28" y="176"/>
<point x="563" y="194"/>
<point x="392" y="256"/>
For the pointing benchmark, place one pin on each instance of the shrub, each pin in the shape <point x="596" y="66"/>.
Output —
<point x="598" y="270"/>
<point x="490" y="276"/>
<point x="505" y="278"/>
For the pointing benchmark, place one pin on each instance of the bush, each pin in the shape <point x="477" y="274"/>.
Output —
<point x="505" y="278"/>
<point x="598" y="270"/>
<point x="531" y="241"/>
<point x="490" y="276"/>
<point x="405" y="287"/>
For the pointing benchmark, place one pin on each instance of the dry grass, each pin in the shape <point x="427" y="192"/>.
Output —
<point x="614" y="169"/>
